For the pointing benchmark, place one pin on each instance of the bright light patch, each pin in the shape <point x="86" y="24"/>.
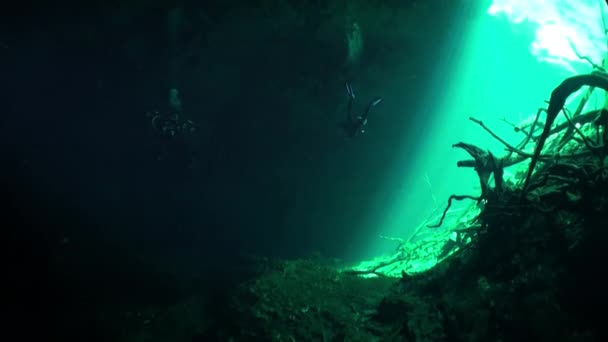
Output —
<point x="500" y="70"/>
<point x="560" y="25"/>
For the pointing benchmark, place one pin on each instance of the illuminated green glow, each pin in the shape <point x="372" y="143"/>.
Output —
<point x="507" y="64"/>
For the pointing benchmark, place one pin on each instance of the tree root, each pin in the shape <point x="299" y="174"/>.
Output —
<point x="556" y="104"/>
<point x="445" y="211"/>
<point x="559" y="170"/>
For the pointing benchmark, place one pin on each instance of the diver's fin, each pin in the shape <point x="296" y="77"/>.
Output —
<point x="376" y="101"/>
<point x="350" y="91"/>
<point x="371" y="104"/>
<point x="351" y="99"/>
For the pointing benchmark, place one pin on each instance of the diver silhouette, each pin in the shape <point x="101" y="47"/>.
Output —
<point x="173" y="130"/>
<point x="352" y="126"/>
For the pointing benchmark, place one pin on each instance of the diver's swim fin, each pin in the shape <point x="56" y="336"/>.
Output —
<point x="349" y="90"/>
<point x="371" y="104"/>
<point x="375" y="101"/>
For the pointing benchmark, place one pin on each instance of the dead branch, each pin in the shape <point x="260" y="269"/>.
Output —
<point x="445" y="211"/>
<point x="592" y="149"/>
<point x="580" y="119"/>
<point x="502" y="141"/>
<point x="534" y="124"/>
<point x="585" y="58"/>
<point x="570" y="132"/>
<point x="485" y="165"/>
<point x="522" y="127"/>
<point x="556" y="104"/>
<point x="601" y="120"/>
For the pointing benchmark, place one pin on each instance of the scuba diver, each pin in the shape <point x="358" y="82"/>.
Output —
<point x="352" y="126"/>
<point x="171" y="123"/>
<point x="172" y="128"/>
